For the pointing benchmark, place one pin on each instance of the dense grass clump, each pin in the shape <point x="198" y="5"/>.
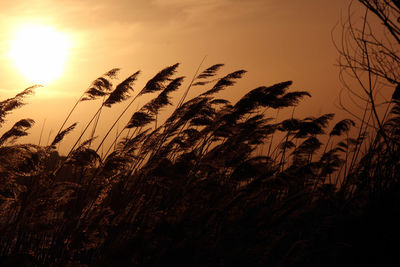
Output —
<point x="195" y="190"/>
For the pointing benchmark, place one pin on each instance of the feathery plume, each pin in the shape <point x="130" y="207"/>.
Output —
<point x="139" y="119"/>
<point x="101" y="86"/>
<point x="163" y="99"/>
<point x="112" y="73"/>
<point x="157" y="82"/>
<point x="60" y="136"/>
<point x="290" y="99"/>
<point x="228" y="80"/>
<point x="18" y="130"/>
<point x="15" y="102"/>
<point x="84" y="157"/>
<point x="209" y="72"/>
<point x="307" y="148"/>
<point x="266" y="97"/>
<point x="342" y="126"/>
<point x="122" y="90"/>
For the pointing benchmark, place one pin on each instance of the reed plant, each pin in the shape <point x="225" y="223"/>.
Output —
<point x="192" y="190"/>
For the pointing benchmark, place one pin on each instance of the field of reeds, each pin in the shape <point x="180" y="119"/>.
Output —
<point x="215" y="184"/>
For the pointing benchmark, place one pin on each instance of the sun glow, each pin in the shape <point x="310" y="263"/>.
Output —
<point x="39" y="52"/>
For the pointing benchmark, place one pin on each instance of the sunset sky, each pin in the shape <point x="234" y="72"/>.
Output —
<point x="274" y="40"/>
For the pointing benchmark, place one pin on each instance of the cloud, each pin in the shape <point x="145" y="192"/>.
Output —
<point x="188" y="3"/>
<point x="125" y="23"/>
<point x="89" y="14"/>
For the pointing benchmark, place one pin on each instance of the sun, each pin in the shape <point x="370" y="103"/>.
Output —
<point x="39" y="52"/>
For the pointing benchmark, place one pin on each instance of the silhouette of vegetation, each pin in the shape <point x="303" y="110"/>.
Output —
<point x="196" y="190"/>
<point x="369" y="60"/>
<point x="215" y="183"/>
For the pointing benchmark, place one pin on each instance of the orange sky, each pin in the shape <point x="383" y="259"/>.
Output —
<point x="274" y="40"/>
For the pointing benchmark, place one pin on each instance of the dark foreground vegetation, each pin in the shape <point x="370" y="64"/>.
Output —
<point x="215" y="184"/>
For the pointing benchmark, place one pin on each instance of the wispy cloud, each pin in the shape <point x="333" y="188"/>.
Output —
<point x="87" y="14"/>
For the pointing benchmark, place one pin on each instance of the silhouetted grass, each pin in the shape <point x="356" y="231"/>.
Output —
<point x="193" y="191"/>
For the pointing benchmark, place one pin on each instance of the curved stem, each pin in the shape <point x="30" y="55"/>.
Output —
<point x="69" y="114"/>
<point x="370" y="91"/>
<point x="190" y="85"/>
<point x="83" y="132"/>
<point x="96" y="122"/>
<point x="115" y="123"/>
<point x="76" y="143"/>
<point x="113" y="144"/>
